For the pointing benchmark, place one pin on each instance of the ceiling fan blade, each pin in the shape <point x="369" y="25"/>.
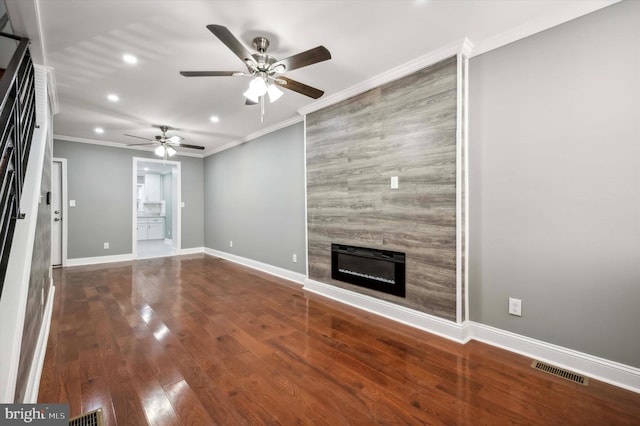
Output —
<point x="141" y="144"/>
<point x="210" y="73"/>
<point x="232" y="43"/>
<point x="139" y="137"/>
<point x="301" y="88"/>
<point x="308" y="57"/>
<point x="185" y="145"/>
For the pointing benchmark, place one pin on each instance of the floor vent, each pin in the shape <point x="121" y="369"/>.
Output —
<point x="92" y="418"/>
<point x="559" y="372"/>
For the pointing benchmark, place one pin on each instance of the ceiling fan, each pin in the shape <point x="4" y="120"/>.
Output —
<point x="167" y="146"/>
<point x="266" y="70"/>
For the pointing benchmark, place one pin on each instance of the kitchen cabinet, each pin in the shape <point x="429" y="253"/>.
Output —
<point x="156" y="228"/>
<point x="150" y="228"/>
<point x="142" y="228"/>
<point x="152" y="187"/>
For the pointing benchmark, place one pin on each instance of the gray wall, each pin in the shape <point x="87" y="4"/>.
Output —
<point x="100" y="179"/>
<point x="555" y="185"/>
<point x="254" y="196"/>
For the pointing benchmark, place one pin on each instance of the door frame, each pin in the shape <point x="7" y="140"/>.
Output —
<point x="177" y="197"/>
<point x="63" y="205"/>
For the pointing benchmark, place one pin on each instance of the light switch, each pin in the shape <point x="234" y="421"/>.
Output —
<point x="72" y="203"/>
<point x="182" y="204"/>
<point x="394" y="182"/>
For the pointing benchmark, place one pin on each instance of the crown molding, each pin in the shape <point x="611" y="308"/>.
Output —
<point x="255" y="135"/>
<point x="463" y="46"/>
<point x="574" y="11"/>
<point x="117" y="145"/>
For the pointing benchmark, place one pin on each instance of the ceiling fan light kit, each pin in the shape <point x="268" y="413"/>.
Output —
<point x="265" y="69"/>
<point x="167" y="146"/>
<point x="274" y="93"/>
<point x="163" y="151"/>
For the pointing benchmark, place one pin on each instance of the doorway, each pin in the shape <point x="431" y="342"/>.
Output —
<point x="156" y="212"/>
<point x="58" y="212"/>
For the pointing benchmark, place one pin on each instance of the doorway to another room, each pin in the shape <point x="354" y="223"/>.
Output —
<point x="58" y="201"/>
<point x="156" y="213"/>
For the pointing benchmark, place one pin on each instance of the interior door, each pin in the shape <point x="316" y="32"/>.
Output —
<point x="56" y="214"/>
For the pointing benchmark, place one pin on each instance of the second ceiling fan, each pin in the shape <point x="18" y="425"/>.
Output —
<point x="266" y="70"/>
<point x="167" y="145"/>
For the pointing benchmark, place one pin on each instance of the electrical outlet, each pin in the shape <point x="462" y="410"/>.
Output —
<point x="515" y="307"/>
<point x="72" y="203"/>
<point x="106" y="246"/>
<point x="394" y="182"/>
<point x="294" y="259"/>
<point x="230" y="243"/>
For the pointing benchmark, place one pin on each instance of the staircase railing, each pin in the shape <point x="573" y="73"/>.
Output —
<point x="17" y="121"/>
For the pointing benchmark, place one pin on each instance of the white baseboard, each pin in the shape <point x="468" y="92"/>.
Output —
<point x="254" y="264"/>
<point x="432" y="324"/>
<point x="81" y="261"/>
<point x="611" y="372"/>
<point x="192" y="250"/>
<point x="33" y="383"/>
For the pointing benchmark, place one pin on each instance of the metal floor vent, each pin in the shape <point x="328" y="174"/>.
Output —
<point x="559" y="372"/>
<point x="92" y="418"/>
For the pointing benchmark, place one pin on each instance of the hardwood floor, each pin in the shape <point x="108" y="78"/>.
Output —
<point x="196" y="340"/>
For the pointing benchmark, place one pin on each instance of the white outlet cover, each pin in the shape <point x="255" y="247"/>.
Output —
<point x="182" y="204"/>
<point x="394" y="182"/>
<point x="515" y="307"/>
<point x="72" y="203"/>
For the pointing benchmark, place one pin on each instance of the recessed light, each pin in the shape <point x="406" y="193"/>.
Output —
<point x="146" y="169"/>
<point x="113" y="98"/>
<point x="129" y="59"/>
<point x="99" y="130"/>
<point x="214" y="118"/>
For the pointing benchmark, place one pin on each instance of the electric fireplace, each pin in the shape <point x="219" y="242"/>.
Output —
<point x="375" y="269"/>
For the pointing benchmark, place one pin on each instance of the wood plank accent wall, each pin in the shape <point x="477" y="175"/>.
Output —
<point x="405" y="128"/>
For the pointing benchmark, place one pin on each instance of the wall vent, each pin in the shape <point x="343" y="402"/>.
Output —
<point x="559" y="372"/>
<point x="92" y="418"/>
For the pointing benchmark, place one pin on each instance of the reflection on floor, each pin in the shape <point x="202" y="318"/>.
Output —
<point x="154" y="248"/>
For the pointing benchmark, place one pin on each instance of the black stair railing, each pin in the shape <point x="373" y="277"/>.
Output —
<point x="17" y="122"/>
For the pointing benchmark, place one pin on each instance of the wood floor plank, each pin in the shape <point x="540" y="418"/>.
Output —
<point x="187" y="405"/>
<point x="95" y="394"/>
<point x="198" y="340"/>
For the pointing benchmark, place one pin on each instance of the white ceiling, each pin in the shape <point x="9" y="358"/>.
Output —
<point x="84" y="40"/>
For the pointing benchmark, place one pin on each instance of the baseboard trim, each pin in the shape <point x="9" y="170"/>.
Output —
<point x="611" y="372"/>
<point x="607" y="371"/>
<point x="254" y="264"/>
<point x="601" y="369"/>
<point x="33" y="383"/>
<point x="432" y="324"/>
<point x="81" y="261"/>
<point x="192" y="250"/>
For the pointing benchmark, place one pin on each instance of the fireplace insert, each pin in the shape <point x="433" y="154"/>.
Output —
<point x="375" y="269"/>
